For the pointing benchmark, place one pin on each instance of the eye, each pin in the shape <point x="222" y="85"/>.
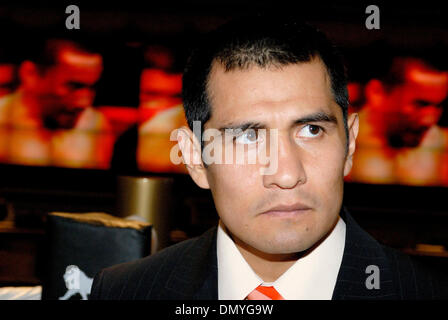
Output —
<point x="422" y="103"/>
<point x="310" y="131"/>
<point x="249" y="136"/>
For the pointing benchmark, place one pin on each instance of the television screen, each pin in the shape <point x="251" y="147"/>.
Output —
<point x="108" y="95"/>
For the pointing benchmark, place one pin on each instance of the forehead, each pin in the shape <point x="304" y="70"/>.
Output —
<point x="426" y="83"/>
<point x="79" y="59"/>
<point x="269" y="93"/>
<point x="159" y="81"/>
<point x="419" y="74"/>
<point x="77" y="65"/>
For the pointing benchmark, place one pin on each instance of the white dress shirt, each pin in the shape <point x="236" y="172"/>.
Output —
<point x="312" y="277"/>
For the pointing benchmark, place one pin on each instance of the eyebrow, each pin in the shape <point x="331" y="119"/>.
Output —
<point x="243" y="126"/>
<point x="319" y="116"/>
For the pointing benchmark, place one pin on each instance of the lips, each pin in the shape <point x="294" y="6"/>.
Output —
<point x="287" y="210"/>
<point x="72" y="112"/>
<point x="67" y="119"/>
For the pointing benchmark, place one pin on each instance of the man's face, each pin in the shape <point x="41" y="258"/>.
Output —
<point x="295" y="207"/>
<point x="66" y="89"/>
<point x="159" y="90"/>
<point x="411" y="108"/>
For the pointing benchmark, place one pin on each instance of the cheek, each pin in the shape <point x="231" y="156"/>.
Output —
<point x="43" y="85"/>
<point x="234" y="188"/>
<point x="325" y="172"/>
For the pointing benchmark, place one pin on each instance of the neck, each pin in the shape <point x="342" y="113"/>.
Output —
<point x="268" y="267"/>
<point x="374" y="122"/>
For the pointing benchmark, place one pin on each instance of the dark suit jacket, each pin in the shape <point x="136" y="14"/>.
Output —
<point x="188" y="270"/>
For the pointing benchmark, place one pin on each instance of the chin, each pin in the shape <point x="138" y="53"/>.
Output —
<point x="62" y="122"/>
<point x="67" y="122"/>
<point x="287" y="243"/>
<point x="406" y="140"/>
<point x="295" y="241"/>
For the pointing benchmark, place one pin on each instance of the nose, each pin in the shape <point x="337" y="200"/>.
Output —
<point x="290" y="171"/>
<point x="82" y="98"/>
<point x="430" y="115"/>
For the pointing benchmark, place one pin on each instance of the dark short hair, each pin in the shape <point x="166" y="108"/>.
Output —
<point x="258" y="41"/>
<point x="395" y="75"/>
<point x="388" y="63"/>
<point x="44" y="51"/>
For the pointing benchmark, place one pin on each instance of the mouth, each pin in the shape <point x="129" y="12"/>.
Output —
<point x="63" y="120"/>
<point x="285" y="211"/>
<point x="72" y="112"/>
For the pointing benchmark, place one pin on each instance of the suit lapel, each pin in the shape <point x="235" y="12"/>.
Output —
<point x="197" y="276"/>
<point x="360" y="252"/>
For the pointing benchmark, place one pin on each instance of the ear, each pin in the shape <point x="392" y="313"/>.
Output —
<point x="353" y="127"/>
<point x="28" y="74"/>
<point x="375" y="92"/>
<point x="192" y="156"/>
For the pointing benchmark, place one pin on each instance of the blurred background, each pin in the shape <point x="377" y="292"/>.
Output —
<point x="86" y="115"/>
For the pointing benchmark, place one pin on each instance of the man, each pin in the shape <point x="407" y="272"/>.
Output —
<point x="146" y="145"/>
<point x="49" y="120"/>
<point x="161" y="110"/>
<point x="282" y="234"/>
<point x="399" y="139"/>
<point x="8" y="84"/>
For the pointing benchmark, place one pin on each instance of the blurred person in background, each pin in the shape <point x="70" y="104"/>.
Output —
<point x="8" y="84"/>
<point x="10" y="58"/>
<point x="399" y="139"/>
<point x="160" y="109"/>
<point x="147" y="146"/>
<point x="49" y="119"/>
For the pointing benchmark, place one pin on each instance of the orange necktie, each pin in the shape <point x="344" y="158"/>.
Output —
<point x="264" y="293"/>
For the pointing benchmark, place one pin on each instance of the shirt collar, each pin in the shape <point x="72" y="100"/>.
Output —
<point x="311" y="277"/>
<point x="236" y="279"/>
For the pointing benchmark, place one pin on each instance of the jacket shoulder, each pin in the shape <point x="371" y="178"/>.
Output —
<point x="398" y="275"/>
<point x="143" y="278"/>
<point x="415" y="279"/>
